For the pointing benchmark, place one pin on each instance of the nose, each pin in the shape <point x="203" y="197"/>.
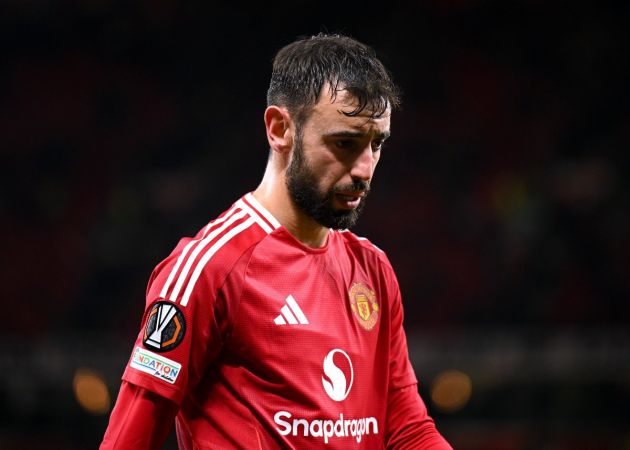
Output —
<point x="364" y="164"/>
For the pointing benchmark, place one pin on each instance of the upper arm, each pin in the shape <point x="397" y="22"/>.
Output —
<point x="401" y="371"/>
<point x="184" y="324"/>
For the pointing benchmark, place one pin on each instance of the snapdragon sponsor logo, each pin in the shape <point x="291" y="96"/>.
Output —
<point x="156" y="365"/>
<point x="337" y="382"/>
<point x="325" y="428"/>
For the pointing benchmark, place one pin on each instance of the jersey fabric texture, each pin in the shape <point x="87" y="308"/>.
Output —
<point x="266" y="343"/>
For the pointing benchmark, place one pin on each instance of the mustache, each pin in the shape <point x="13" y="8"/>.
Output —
<point x="355" y="186"/>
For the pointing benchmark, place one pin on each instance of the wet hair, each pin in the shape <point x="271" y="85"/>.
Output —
<point x="302" y="68"/>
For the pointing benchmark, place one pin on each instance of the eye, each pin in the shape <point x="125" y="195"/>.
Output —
<point x="345" y="144"/>
<point x="378" y="144"/>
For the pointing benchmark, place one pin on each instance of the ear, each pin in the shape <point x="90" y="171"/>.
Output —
<point x="279" y="128"/>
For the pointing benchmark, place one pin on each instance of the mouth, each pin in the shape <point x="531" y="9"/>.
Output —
<point x="349" y="199"/>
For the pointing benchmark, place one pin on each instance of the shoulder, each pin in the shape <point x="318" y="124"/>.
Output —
<point x="374" y="263"/>
<point x="362" y="245"/>
<point x="207" y="258"/>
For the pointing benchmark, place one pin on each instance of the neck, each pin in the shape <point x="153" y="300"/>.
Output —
<point x="273" y="194"/>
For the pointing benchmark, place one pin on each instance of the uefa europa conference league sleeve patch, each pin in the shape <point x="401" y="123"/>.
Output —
<point x="165" y="327"/>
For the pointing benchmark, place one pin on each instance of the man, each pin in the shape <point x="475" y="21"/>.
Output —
<point x="275" y="327"/>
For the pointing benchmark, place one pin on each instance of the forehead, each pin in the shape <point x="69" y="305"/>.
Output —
<point x="333" y="112"/>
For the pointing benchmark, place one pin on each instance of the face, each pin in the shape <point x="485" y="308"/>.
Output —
<point x="333" y="161"/>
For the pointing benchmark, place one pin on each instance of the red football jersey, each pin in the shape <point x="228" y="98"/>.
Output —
<point x="268" y="343"/>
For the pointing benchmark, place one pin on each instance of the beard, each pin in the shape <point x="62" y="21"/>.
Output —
<point x="303" y="188"/>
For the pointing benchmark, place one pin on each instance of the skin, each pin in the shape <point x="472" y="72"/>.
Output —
<point x="337" y="148"/>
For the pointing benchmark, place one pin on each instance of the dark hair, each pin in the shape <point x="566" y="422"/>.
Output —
<point x="302" y="68"/>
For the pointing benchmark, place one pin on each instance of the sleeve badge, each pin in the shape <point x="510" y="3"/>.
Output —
<point x="165" y="327"/>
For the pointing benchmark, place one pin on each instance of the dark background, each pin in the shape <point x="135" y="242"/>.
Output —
<point x="501" y="199"/>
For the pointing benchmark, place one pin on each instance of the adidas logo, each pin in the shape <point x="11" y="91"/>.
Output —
<point x="291" y="314"/>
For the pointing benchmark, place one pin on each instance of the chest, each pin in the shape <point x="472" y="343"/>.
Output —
<point x="303" y="314"/>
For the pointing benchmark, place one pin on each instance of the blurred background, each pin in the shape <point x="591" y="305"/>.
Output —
<point x="501" y="199"/>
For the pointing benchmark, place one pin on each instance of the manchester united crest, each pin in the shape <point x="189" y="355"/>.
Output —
<point x="364" y="305"/>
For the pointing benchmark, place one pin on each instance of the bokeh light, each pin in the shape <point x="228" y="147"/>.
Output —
<point x="451" y="390"/>
<point x="91" y="391"/>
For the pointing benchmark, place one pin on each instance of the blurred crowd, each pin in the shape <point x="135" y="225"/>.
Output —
<point x="500" y="199"/>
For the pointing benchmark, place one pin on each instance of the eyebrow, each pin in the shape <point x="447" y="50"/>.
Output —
<point x="356" y="134"/>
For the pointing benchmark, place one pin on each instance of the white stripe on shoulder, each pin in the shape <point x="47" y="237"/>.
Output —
<point x="175" y="269"/>
<point x="254" y="215"/>
<point x="211" y="251"/>
<point x="262" y="210"/>
<point x="370" y="242"/>
<point x="191" y="259"/>
<point x="360" y="238"/>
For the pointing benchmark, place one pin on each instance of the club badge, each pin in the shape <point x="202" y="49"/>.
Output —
<point x="165" y="327"/>
<point x="364" y="305"/>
